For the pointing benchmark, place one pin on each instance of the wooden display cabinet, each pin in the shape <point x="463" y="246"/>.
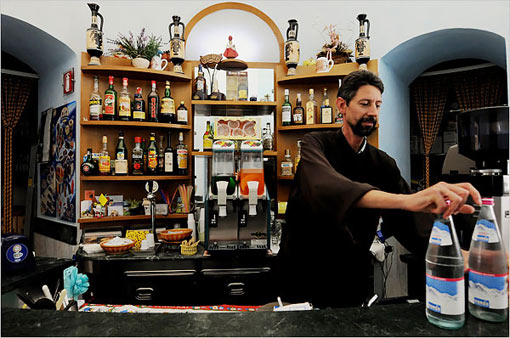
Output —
<point x="91" y="132"/>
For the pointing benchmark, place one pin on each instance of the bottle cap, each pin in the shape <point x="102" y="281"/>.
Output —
<point x="286" y="92"/>
<point x="488" y="201"/>
<point x="153" y="82"/>
<point x="138" y="139"/>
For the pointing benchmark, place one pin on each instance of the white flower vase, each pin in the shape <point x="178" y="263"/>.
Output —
<point x="140" y="63"/>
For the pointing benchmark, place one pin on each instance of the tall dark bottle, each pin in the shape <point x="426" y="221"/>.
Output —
<point x="89" y="167"/>
<point x="153" y="104"/>
<point x="110" y="101"/>
<point x="161" y="156"/>
<point x="121" y="156"/>
<point x="169" y="156"/>
<point x="139" y="106"/>
<point x="199" y="86"/>
<point x="167" y="112"/>
<point x="182" y="156"/>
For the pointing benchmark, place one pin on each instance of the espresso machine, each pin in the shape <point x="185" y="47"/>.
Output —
<point x="237" y="213"/>
<point x="481" y="158"/>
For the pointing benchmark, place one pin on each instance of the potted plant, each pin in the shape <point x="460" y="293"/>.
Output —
<point x="340" y="53"/>
<point x="141" y="50"/>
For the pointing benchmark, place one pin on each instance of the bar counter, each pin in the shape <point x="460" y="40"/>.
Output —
<point x="379" y="320"/>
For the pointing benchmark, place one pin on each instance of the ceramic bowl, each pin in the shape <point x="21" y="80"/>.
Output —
<point x="140" y="63"/>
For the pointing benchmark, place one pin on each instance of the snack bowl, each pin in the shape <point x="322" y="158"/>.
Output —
<point x="175" y="234"/>
<point x="117" y="248"/>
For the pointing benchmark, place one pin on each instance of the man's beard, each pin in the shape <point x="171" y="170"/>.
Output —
<point x="362" y="131"/>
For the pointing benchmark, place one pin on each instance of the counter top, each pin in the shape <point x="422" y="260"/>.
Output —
<point x="43" y="265"/>
<point x="379" y="320"/>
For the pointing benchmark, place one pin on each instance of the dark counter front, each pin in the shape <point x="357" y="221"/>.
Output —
<point x="379" y="320"/>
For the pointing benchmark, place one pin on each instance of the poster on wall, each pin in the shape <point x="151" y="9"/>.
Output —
<point x="57" y="177"/>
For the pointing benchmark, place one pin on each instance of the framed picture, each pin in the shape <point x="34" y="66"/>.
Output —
<point x="237" y="128"/>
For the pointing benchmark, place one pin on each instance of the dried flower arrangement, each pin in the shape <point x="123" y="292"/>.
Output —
<point x="339" y="50"/>
<point x="145" y="46"/>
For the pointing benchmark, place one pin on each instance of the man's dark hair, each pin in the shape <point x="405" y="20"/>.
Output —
<point x="352" y="82"/>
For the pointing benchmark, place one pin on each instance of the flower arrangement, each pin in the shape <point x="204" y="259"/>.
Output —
<point x="339" y="50"/>
<point x="144" y="46"/>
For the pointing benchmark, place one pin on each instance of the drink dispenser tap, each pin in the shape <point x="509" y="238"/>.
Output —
<point x="252" y="173"/>
<point x="152" y="187"/>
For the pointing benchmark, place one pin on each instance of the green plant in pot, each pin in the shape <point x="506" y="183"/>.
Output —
<point x="141" y="50"/>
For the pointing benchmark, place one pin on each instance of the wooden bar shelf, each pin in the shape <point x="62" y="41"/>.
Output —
<point x="135" y="73"/>
<point x="311" y="126"/>
<point x="233" y="103"/>
<point x="285" y="178"/>
<point x="267" y="153"/>
<point x="129" y="218"/>
<point x="135" y="178"/>
<point x="104" y="123"/>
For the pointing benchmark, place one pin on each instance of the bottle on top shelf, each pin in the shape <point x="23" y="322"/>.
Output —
<point x="208" y="138"/>
<point x="121" y="156"/>
<point x="104" y="158"/>
<point x="488" y="270"/>
<point x="95" y="102"/>
<point x="182" y="156"/>
<point x="311" y="108"/>
<point x="326" y="110"/>
<point x="169" y="156"/>
<point x="299" y="112"/>
<point x="153" y="104"/>
<point x="200" y="86"/>
<point x="124" y="102"/>
<point x="137" y="158"/>
<point x="152" y="155"/>
<point x="444" y="276"/>
<point x="89" y="166"/>
<point x="139" y="106"/>
<point x="182" y="114"/>
<point x="110" y="101"/>
<point x="161" y="156"/>
<point x="286" y="110"/>
<point x="286" y="164"/>
<point x="167" y="112"/>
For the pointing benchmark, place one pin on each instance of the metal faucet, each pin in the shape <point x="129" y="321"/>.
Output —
<point x="152" y="187"/>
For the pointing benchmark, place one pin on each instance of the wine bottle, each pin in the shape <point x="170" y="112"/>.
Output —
<point x="139" y="106"/>
<point x="110" y="101"/>
<point x="167" y="112"/>
<point x="153" y="104"/>
<point x="286" y="110"/>
<point x="169" y="156"/>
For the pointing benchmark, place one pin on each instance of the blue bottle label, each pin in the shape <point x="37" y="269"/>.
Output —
<point x="440" y="234"/>
<point x="485" y="231"/>
<point x="17" y="253"/>
<point x="488" y="290"/>
<point x="445" y="295"/>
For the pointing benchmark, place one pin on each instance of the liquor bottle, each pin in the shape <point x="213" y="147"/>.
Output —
<point x="121" y="156"/>
<point x="326" y="109"/>
<point x="182" y="156"/>
<point x="298" y="155"/>
<point x="95" y="102"/>
<point x="267" y="139"/>
<point x="444" y="276"/>
<point x="153" y="104"/>
<point x="89" y="166"/>
<point x="299" y="112"/>
<point x="339" y="118"/>
<point x="110" y="101"/>
<point x="286" y="110"/>
<point x="311" y="108"/>
<point x="208" y="138"/>
<point x="286" y="164"/>
<point x="124" y="102"/>
<point x="152" y="155"/>
<point x="144" y="148"/>
<point x="488" y="271"/>
<point x="137" y="157"/>
<point x="200" y="86"/>
<point x="104" y="158"/>
<point x="167" y="112"/>
<point x="169" y="156"/>
<point x="139" y="106"/>
<point x="182" y="114"/>
<point x="161" y="156"/>
<point x="215" y="94"/>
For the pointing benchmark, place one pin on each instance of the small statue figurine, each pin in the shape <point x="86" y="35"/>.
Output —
<point x="230" y="51"/>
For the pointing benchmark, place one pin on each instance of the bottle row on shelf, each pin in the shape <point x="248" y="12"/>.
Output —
<point x="145" y="159"/>
<point x="311" y="113"/>
<point x="121" y="107"/>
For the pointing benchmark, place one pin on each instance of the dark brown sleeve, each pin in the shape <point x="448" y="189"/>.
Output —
<point x="326" y="191"/>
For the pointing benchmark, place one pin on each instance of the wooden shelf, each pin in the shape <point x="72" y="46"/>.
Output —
<point x="285" y="178"/>
<point x="308" y="74"/>
<point x="135" y="178"/>
<point x="233" y="103"/>
<point x="267" y="153"/>
<point x="129" y="218"/>
<point x="105" y="123"/>
<point x="311" y="126"/>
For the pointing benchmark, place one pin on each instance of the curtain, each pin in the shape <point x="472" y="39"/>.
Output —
<point x="429" y="95"/>
<point x="15" y="94"/>
<point x="480" y="88"/>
